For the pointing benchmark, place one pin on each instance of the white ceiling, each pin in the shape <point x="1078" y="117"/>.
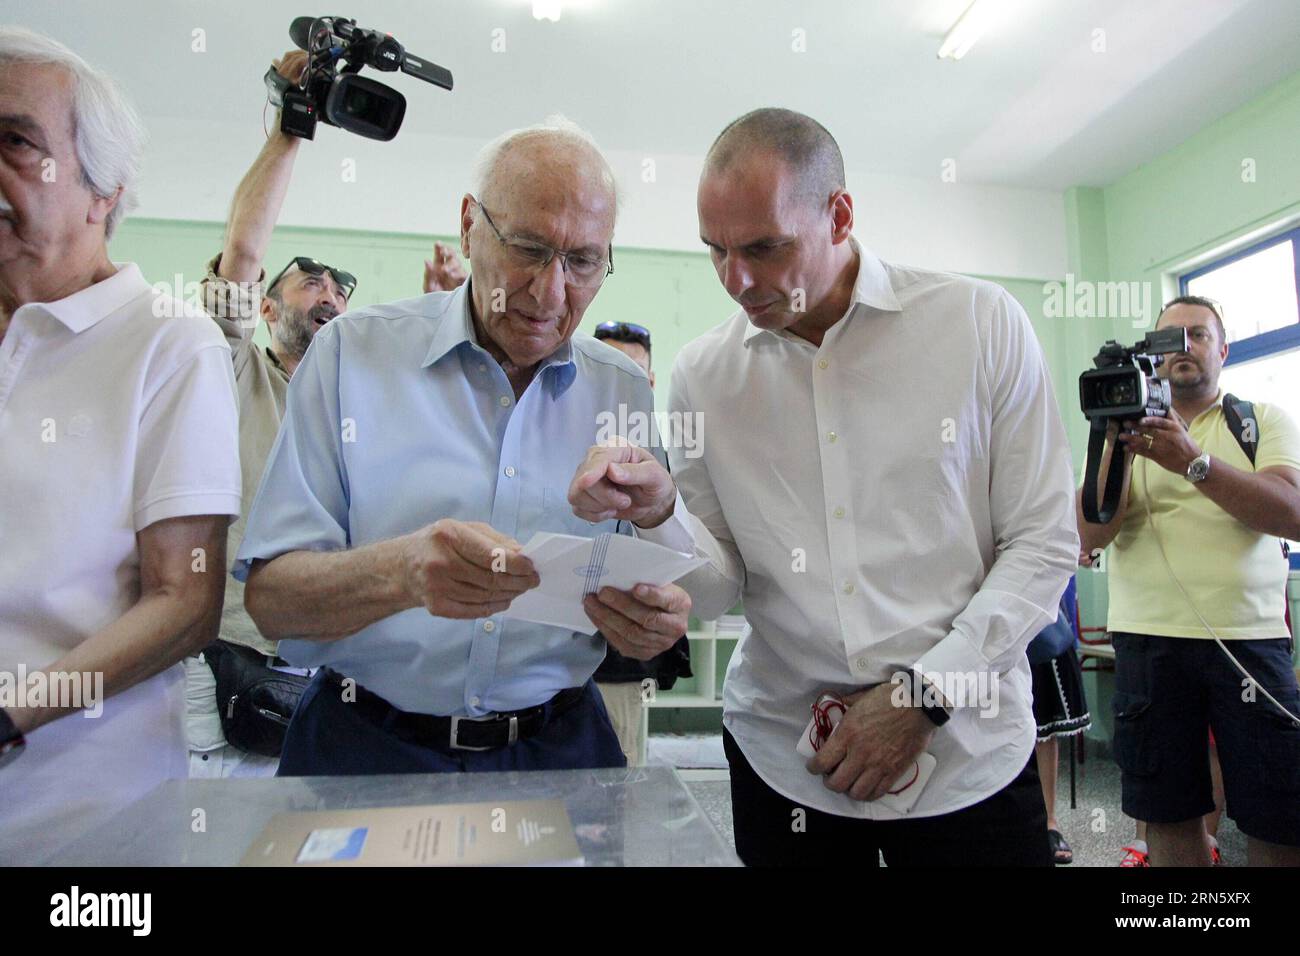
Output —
<point x="1031" y="105"/>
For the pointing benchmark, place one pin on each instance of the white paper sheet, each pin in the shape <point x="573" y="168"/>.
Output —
<point x="571" y="567"/>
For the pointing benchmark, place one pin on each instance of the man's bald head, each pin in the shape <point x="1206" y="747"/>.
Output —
<point x="799" y="141"/>
<point x="540" y="191"/>
<point x="557" y="148"/>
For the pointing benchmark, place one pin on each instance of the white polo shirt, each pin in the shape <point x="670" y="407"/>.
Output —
<point x="113" y="416"/>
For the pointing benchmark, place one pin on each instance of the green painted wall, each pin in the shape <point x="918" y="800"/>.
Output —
<point x="675" y="294"/>
<point x="1195" y="197"/>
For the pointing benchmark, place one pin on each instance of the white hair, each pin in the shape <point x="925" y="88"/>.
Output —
<point x="107" y="131"/>
<point x="555" y="128"/>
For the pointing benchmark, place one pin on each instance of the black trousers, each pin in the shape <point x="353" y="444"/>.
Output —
<point x="1007" y="829"/>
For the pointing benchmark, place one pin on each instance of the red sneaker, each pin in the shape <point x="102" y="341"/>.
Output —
<point x="1134" y="858"/>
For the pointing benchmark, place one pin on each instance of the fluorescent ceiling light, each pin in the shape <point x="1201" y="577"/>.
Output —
<point x="970" y="26"/>
<point x="547" y="10"/>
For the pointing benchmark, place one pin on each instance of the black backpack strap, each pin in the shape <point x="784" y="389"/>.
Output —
<point x="1241" y="416"/>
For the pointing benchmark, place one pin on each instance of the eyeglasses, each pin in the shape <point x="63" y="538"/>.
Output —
<point x="580" y="269"/>
<point x="346" y="280"/>
<point x="624" y="332"/>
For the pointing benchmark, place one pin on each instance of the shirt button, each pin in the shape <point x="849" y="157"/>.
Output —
<point x="505" y="400"/>
<point x="510" y="471"/>
<point x="839" y="512"/>
<point x="861" y="663"/>
<point x="831" y="436"/>
<point x="847" y="589"/>
<point x="475" y="701"/>
<point x="823" y="363"/>
<point x="482" y="367"/>
<point x="488" y="626"/>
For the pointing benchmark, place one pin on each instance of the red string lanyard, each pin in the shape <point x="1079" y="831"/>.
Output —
<point x="826" y="705"/>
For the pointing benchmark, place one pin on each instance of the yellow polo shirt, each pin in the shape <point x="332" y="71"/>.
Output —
<point x="1235" y="576"/>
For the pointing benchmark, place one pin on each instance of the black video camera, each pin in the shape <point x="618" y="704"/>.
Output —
<point x="1123" y="386"/>
<point x="340" y="96"/>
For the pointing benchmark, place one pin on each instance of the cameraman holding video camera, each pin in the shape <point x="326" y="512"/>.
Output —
<point x="1195" y="544"/>
<point x="295" y="305"/>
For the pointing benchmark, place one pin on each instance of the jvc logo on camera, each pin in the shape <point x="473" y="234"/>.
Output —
<point x="77" y="909"/>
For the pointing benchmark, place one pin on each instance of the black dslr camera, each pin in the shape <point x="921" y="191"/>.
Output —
<point x="341" y="96"/>
<point x="1123" y="386"/>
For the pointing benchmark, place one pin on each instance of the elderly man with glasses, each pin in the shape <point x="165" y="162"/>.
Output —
<point x="423" y="441"/>
<point x="295" y="305"/>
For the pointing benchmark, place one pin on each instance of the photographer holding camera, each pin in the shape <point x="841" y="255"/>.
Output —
<point x="1195" y="549"/>
<point x="295" y="305"/>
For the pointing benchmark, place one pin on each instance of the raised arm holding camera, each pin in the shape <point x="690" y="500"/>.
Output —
<point x="295" y="304"/>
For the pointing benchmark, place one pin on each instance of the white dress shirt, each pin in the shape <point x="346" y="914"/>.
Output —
<point x="898" y="499"/>
<point x="112" y="417"/>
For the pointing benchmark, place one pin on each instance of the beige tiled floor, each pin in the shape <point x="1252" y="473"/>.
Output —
<point x="1095" y="829"/>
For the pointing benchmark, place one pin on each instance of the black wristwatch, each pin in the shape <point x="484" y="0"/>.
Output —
<point x="12" y="742"/>
<point x="937" y="713"/>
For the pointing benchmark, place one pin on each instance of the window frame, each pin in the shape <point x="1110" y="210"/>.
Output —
<point x="1266" y="343"/>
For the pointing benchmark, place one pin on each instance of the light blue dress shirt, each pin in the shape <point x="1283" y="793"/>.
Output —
<point x="397" y="418"/>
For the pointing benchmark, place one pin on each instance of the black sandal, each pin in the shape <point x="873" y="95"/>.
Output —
<point x="1057" y="842"/>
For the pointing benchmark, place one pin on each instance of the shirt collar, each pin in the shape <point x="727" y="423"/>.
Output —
<point x="275" y="360"/>
<point x="1218" y="403"/>
<point x="871" y="288"/>
<point x="83" y="309"/>
<point x="457" y="328"/>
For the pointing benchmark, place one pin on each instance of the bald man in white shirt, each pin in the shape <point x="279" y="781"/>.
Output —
<point x="887" y="485"/>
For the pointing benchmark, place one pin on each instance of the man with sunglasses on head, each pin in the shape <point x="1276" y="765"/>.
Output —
<point x="422" y="442"/>
<point x="632" y="340"/>
<point x="295" y="304"/>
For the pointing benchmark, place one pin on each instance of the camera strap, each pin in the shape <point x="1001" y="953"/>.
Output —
<point x="1238" y="413"/>
<point x="1114" y="477"/>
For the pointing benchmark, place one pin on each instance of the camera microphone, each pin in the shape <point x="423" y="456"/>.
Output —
<point x="300" y="30"/>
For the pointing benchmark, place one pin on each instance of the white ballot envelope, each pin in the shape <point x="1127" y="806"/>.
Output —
<point x="902" y="795"/>
<point x="571" y="567"/>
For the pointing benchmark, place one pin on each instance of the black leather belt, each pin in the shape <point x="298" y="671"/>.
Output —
<point x="458" y="733"/>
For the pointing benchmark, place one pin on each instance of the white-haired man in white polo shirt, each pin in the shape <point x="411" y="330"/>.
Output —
<point x="120" y="467"/>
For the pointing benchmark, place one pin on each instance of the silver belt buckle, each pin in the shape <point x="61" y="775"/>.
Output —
<point x="513" y="734"/>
